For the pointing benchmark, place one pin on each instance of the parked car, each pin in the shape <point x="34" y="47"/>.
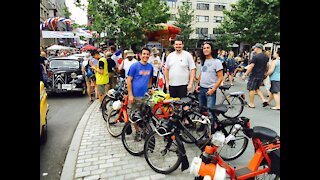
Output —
<point x="65" y="75"/>
<point x="44" y="108"/>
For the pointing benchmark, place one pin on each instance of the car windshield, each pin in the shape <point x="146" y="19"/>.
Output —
<point x="64" y="64"/>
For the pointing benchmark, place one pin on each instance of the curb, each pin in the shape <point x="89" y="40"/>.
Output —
<point x="70" y="162"/>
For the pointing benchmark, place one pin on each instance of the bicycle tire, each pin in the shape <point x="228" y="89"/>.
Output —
<point x="233" y="143"/>
<point x="125" y="139"/>
<point x="113" y="125"/>
<point x="193" y="131"/>
<point x="105" y="105"/>
<point x="149" y="151"/>
<point x="231" y="108"/>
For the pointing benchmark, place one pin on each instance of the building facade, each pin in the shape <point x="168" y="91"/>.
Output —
<point x="208" y="15"/>
<point x="49" y="9"/>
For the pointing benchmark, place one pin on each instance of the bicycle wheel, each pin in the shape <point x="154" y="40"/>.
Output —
<point x="106" y="106"/>
<point x="161" y="153"/>
<point x="197" y="129"/>
<point x="234" y="148"/>
<point x="235" y="106"/>
<point x="115" y="124"/>
<point x="133" y="137"/>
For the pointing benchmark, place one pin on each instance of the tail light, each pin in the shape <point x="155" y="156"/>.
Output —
<point x="248" y="124"/>
<point x="49" y="73"/>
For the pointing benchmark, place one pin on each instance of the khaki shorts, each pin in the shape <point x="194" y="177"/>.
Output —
<point x="101" y="89"/>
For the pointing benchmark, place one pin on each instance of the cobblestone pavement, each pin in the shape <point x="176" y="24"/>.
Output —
<point x="102" y="156"/>
<point x="98" y="155"/>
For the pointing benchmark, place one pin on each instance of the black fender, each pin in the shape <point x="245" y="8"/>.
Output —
<point x="182" y="151"/>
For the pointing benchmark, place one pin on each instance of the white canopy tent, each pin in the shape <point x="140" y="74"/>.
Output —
<point x="59" y="47"/>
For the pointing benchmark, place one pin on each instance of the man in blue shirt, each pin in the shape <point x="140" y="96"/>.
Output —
<point x="139" y="82"/>
<point x="140" y="77"/>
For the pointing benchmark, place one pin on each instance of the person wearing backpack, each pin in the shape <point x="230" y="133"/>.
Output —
<point x="86" y="73"/>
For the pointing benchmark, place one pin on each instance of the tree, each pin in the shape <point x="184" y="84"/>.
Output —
<point x="251" y="21"/>
<point x="184" y="18"/>
<point x="66" y="12"/>
<point x="127" y="20"/>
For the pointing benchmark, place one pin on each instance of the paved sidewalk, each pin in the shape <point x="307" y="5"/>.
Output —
<point x="95" y="154"/>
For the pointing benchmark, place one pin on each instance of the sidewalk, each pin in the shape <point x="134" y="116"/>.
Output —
<point x="95" y="154"/>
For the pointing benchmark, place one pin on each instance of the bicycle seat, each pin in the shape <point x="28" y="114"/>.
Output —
<point x="221" y="108"/>
<point x="264" y="134"/>
<point x="225" y="87"/>
<point x="192" y="96"/>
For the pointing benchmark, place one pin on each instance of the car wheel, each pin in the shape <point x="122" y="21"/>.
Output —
<point x="43" y="137"/>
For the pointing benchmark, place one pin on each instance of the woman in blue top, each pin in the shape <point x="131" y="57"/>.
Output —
<point x="274" y="73"/>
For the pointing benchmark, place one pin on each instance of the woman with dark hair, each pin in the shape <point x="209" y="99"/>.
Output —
<point x="210" y="78"/>
<point x="274" y="73"/>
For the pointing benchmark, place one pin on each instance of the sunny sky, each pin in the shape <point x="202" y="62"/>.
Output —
<point x="77" y="14"/>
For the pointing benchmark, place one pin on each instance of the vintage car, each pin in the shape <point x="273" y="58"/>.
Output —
<point x="65" y="75"/>
<point x="44" y="108"/>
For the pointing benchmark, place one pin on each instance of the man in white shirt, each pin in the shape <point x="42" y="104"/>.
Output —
<point x="126" y="64"/>
<point x="180" y="71"/>
<point x="155" y="61"/>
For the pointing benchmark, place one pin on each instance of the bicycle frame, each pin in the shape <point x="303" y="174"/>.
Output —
<point x="241" y="173"/>
<point x="123" y="110"/>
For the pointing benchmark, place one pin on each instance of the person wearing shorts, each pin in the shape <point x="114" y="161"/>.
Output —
<point x="274" y="73"/>
<point x="180" y="71"/>
<point x="258" y="68"/>
<point x="102" y="76"/>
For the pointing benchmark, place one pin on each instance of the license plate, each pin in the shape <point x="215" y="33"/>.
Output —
<point x="66" y="86"/>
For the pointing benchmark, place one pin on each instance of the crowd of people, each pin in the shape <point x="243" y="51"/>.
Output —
<point x="184" y="72"/>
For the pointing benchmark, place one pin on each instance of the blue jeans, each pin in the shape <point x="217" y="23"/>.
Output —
<point x="207" y="101"/>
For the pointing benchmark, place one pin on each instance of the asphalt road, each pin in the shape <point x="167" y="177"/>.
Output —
<point x="65" y="111"/>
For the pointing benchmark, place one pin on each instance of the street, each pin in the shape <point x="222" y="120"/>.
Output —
<point x="65" y="111"/>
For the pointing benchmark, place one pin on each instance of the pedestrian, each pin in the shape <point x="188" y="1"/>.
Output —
<point x="266" y="81"/>
<point x="102" y="77"/>
<point x="274" y="73"/>
<point x="180" y="71"/>
<point x="258" y="68"/>
<point x="223" y="58"/>
<point x="155" y="61"/>
<point x="211" y="77"/>
<point x="231" y="65"/>
<point x="111" y="70"/>
<point x="89" y="83"/>
<point x="43" y="69"/>
<point x="126" y="64"/>
<point x="94" y="62"/>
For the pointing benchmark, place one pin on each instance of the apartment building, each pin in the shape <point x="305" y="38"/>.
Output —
<point x="208" y="15"/>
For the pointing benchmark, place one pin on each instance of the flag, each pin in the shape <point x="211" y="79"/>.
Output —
<point x="161" y="80"/>
<point x="117" y="57"/>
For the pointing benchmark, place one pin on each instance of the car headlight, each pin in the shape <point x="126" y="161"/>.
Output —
<point x="73" y="75"/>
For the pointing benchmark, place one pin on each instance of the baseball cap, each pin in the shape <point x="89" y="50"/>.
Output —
<point x="258" y="45"/>
<point x="108" y="54"/>
<point x="130" y="53"/>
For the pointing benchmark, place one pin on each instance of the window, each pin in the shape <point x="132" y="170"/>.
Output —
<point x="201" y="30"/>
<point x="172" y="3"/>
<point x="217" y="19"/>
<point x="172" y="17"/>
<point x="219" y="7"/>
<point x="202" y="6"/>
<point x="202" y="18"/>
<point x="190" y="3"/>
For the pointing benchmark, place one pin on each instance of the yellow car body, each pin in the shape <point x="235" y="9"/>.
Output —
<point x="44" y="108"/>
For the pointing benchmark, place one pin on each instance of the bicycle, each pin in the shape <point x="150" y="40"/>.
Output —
<point x="113" y="95"/>
<point x="168" y="146"/>
<point x="235" y="102"/>
<point x="265" y="161"/>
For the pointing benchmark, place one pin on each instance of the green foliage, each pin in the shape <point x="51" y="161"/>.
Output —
<point x="126" y="20"/>
<point x="184" y="18"/>
<point x="66" y="12"/>
<point x="251" y="21"/>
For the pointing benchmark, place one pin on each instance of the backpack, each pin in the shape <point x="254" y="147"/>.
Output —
<point x="88" y="70"/>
